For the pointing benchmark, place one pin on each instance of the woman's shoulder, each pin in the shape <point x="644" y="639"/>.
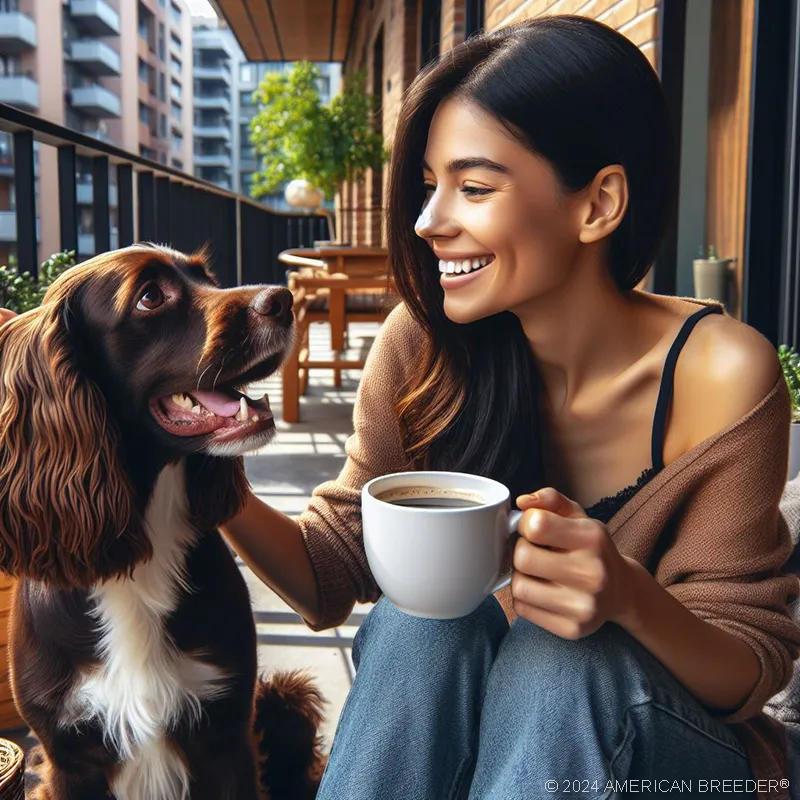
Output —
<point x="401" y="332"/>
<point x="726" y="368"/>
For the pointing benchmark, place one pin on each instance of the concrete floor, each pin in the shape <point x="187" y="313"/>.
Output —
<point x="284" y="474"/>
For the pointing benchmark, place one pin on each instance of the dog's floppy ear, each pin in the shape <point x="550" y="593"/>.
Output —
<point x="69" y="515"/>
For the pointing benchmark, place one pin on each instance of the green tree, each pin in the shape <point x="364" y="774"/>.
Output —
<point x="296" y="136"/>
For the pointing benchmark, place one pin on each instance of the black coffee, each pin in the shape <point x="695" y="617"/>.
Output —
<point x="431" y="497"/>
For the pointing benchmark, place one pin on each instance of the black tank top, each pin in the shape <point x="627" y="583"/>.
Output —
<point x="605" y="509"/>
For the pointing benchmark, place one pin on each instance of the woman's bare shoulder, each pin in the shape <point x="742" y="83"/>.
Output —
<point x="726" y="368"/>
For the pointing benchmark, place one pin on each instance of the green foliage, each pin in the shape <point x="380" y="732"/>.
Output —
<point x="790" y="363"/>
<point x="20" y="292"/>
<point x="296" y="136"/>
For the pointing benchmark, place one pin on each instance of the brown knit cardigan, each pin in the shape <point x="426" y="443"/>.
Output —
<point x="707" y="527"/>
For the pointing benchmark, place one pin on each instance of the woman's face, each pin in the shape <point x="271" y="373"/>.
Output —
<point x="504" y="231"/>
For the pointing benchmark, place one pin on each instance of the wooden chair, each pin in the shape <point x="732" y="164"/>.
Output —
<point x="338" y="300"/>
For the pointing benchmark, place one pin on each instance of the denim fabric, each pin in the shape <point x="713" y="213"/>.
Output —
<point x="470" y="708"/>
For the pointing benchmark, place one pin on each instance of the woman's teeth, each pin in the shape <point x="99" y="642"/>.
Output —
<point x="465" y="265"/>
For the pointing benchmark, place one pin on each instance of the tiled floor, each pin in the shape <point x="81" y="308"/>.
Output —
<point x="284" y="474"/>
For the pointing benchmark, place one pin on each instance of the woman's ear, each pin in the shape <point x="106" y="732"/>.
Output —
<point x="69" y="515"/>
<point x="605" y="203"/>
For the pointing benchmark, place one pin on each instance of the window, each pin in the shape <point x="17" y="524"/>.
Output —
<point x="162" y="125"/>
<point x="162" y="157"/>
<point x="144" y="71"/>
<point x="176" y="65"/>
<point x="162" y="44"/>
<point x="175" y="90"/>
<point x="177" y="163"/>
<point x="176" y="40"/>
<point x="430" y="30"/>
<point x="146" y="152"/>
<point x="144" y="113"/>
<point x="246" y="73"/>
<point x="175" y="14"/>
<point x="162" y="86"/>
<point x="246" y="99"/>
<point x="176" y="110"/>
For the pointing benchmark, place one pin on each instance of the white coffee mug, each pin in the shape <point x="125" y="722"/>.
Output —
<point x="438" y="562"/>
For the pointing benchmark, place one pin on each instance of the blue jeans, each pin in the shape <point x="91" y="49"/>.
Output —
<point x="470" y="708"/>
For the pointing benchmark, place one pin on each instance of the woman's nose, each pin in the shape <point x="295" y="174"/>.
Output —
<point x="434" y="222"/>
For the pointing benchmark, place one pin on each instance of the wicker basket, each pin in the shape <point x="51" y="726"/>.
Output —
<point x="12" y="771"/>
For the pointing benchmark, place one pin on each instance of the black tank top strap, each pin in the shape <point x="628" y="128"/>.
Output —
<point x="667" y="381"/>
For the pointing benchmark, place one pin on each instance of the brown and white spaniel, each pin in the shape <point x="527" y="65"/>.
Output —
<point x="133" y="645"/>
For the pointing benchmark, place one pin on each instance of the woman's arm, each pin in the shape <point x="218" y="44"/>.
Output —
<point x="715" y="612"/>
<point x="271" y="544"/>
<point x="316" y="562"/>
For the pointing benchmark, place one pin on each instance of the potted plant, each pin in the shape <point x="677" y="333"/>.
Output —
<point x="790" y="363"/>
<point x="20" y="292"/>
<point x="308" y="147"/>
<point x="713" y="276"/>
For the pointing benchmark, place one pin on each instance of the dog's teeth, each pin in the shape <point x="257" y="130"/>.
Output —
<point x="196" y="409"/>
<point x="254" y="418"/>
<point x="242" y="414"/>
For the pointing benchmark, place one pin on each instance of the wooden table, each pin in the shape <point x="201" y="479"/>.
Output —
<point x="349" y="262"/>
<point x="355" y="262"/>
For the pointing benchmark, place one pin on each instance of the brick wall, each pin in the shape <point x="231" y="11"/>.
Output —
<point x="399" y="21"/>
<point x="637" y="19"/>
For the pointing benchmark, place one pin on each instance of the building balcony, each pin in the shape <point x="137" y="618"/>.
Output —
<point x="85" y="194"/>
<point x="96" y="57"/>
<point x="96" y="101"/>
<point x="219" y="74"/>
<point x="17" y="32"/>
<point x="21" y="91"/>
<point x="220" y="160"/>
<point x="96" y="17"/>
<point x="212" y="132"/>
<point x="212" y="43"/>
<point x="216" y="102"/>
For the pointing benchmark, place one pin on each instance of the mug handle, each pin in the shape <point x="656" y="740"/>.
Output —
<point x="513" y="520"/>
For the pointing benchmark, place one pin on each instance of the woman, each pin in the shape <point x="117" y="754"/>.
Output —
<point x="646" y="625"/>
<point x="648" y="612"/>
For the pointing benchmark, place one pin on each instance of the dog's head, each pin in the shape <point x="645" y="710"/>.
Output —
<point x="135" y="358"/>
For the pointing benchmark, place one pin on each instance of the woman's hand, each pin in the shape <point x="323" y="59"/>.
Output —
<point x="5" y="315"/>
<point x="568" y="575"/>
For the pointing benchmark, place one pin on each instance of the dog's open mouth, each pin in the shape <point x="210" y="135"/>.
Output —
<point x="224" y="412"/>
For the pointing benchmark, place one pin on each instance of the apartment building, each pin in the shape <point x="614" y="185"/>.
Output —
<point x="216" y="62"/>
<point x="117" y="70"/>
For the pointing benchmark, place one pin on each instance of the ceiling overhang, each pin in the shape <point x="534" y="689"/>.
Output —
<point x="290" y="30"/>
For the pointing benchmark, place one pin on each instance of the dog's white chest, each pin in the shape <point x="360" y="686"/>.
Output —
<point x="144" y="682"/>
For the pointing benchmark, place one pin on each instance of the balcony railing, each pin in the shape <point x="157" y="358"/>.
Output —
<point x="217" y="102"/>
<point x="209" y="75"/>
<point x="96" y="17"/>
<point x="17" y="32"/>
<point x="96" y="101"/>
<point x="96" y="57"/>
<point x="212" y="132"/>
<point x="20" y="90"/>
<point x="174" y="208"/>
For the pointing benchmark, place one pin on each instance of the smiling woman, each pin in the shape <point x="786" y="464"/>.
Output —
<point x="644" y="438"/>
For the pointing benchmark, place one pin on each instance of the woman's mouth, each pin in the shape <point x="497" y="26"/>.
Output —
<point x="459" y="272"/>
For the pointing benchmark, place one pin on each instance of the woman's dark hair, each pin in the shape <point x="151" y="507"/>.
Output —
<point x="582" y="96"/>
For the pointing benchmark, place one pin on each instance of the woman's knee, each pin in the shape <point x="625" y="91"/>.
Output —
<point x="397" y="634"/>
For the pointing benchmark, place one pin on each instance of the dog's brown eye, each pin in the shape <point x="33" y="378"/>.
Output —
<point x="151" y="298"/>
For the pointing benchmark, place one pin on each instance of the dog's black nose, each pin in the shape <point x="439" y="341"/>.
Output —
<point x="274" y="302"/>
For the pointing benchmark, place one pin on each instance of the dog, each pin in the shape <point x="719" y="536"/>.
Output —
<point x="132" y="641"/>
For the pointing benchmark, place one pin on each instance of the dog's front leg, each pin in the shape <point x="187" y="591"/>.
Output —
<point x="230" y="774"/>
<point x="73" y="783"/>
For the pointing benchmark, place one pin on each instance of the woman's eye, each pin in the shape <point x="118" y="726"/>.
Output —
<point x="151" y="298"/>
<point x="476" y="191"/>
<point x="428" y="188"/>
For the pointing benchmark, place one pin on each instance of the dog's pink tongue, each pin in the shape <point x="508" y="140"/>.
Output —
<point x="220" y="404"/>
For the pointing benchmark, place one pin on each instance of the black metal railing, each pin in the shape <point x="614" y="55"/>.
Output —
<point x="172" y="207"/>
